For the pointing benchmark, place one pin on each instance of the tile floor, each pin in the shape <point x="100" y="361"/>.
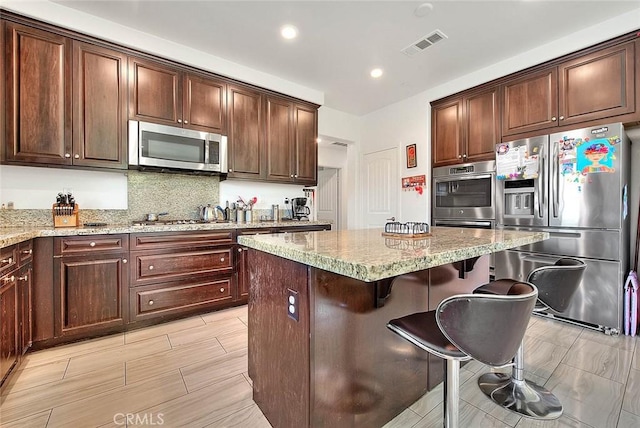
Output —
<point x="193" y="373"/>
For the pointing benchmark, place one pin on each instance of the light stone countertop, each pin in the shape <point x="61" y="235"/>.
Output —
<point x="368" y="256"/>
<point x="14" y="235"/>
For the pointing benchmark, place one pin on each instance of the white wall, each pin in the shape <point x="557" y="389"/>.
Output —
<point x="408" y="121"/>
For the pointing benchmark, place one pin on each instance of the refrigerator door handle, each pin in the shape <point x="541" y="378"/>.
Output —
<point x="556" y="178"/>
<point x="541" y="186"/>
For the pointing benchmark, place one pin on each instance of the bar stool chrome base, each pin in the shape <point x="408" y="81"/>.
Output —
<point x="520" y="396"/>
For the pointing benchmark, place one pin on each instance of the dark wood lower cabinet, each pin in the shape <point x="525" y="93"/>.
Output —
<point x="9" y="323"/>
<point x="91" y="294"/>
<point x="25" y="290"/>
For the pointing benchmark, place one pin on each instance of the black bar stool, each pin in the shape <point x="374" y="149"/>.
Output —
<point x="556" y="285"/>
<point x="485" y="327"/>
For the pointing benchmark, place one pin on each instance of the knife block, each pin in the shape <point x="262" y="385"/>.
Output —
<point x="70" y="220"/>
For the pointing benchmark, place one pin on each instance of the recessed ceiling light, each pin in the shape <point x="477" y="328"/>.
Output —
<point x="376" y="73"/>
<point x="289" y="32"/>
<point x="423" y="10"/>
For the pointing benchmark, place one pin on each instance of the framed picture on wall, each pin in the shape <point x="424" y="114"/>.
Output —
<point x="412" y="161"/>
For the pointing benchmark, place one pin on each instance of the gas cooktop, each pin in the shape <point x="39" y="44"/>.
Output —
<point x="170" y="222"/>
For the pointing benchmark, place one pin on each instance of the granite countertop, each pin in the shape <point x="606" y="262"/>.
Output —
<point x="368" y="256"/>
<point x="14" y="235"/>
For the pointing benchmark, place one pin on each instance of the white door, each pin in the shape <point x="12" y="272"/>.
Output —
<point x="329" y="196"/>
<point x="381" y="186"/>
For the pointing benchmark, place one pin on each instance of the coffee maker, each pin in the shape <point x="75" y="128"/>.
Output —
<point x="299" y="209"/>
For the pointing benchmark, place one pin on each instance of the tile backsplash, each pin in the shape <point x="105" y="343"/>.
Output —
<point x="148" y="192"/>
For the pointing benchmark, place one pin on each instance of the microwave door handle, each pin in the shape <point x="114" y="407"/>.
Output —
<point x="206" y="152"/>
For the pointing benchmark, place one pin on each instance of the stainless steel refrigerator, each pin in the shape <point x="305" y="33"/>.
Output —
<point x="574" y="185"/>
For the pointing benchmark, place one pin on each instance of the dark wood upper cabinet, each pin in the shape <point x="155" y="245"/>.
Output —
<point x="245" y="138"/>
<point x="291" y="132"/>
<point x="598" y="85"/>
<point x="306" y="145"/>
<point x="99" y="106"/>
<point x="164" y="94"/>
<point x="279" y="139"/>
<point x="465" y="129"/>
<point x="38" y="96"/>
<point x="590" y="87"/>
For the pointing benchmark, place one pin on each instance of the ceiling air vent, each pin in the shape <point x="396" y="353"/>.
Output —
<point x="424" y="42"/>
<point x="337" y="143"/>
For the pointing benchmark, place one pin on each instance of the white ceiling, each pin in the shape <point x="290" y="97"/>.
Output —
<point x="341" y="41"/>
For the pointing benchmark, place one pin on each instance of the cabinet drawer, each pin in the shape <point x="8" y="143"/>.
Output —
<point x="170" y="266"/>
<point x="154" y="241"/>
<point x="25" y="252"/>
<point x="80" y="245"/>
<point x="255" y="231"/>
<point x="155" y="300"/>
<point x="8" y="258"/>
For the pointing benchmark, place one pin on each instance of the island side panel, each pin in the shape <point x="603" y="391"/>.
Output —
<point x="363" y="375"/>
<point x="278" y="344"/>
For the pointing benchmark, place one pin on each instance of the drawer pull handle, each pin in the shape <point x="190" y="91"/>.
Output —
<point x="221" y="259"/>
<point x="23" y="278"/>
<point x="92" y="244"/>
<point x="27" y="251"/>
<point x="9" y="279"/>
<point x="150" y="267"/>
<point x="7" y="261"/>
<point x="124" y="261"/>
<point x="222" y="290"/>
<point x="150" y="302"/>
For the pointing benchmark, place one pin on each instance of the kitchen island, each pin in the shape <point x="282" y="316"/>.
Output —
<point x="319" y="350"/>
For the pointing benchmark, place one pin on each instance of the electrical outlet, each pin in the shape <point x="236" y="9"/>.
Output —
<point x="293" y="305"/>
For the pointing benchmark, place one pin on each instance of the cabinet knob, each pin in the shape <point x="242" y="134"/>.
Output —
<point x="27" y="251"/>
<point x="23" y="278"/>
<point x="67" y="155"/>
<point x="459" y="156"/>
<point x="150" y="302"/>
<point x="7" y="261"/>
<point x="291" y="175"/>
<point x="561" y="117"/>
<point x="179" y="120"/>
<point x="186" y="122"/>
<point x="9" y="279"/>
<point x="464" y="155"/>
<point x="92" y="244"/>
<point x="150" y="267"/>
<point x="222" y="290"/>
<point x="221" y="259"/>
<point x="295" y="176"/>
<point x="76" y="156"/>
<point x="239" y="250"/>
<point x="230" y="170"/>
<point x="124" y="261"/>
<point x="553" y="119"/>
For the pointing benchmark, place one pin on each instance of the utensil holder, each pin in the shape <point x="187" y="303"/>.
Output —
<point x="64" y="220"/>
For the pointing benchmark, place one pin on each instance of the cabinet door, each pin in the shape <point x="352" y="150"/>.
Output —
<point x="306" y="146"/>
<point x="155" y="92"/>
<point x="530" y="102"/>
<point x="38" y="96"/>
<point x="99" y="106"/>
<point x="90" y="295"/>
<point x="204" y="104"/>
<point x="279" y="139"/>
<point x="482" y="125"/>
<point x="446" y="133"/>
<point x="597" y="86"/>
<point x="246" y="152"/>
<point x="9" y="324"/>
<point x="242" y="274"/>
<point x="26" y="307"/>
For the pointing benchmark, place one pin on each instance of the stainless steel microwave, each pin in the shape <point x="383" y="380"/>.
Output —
<point x="156" y="146"/>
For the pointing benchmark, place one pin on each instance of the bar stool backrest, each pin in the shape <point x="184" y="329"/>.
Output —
<point x="558" y="283"/>
<point x="489" y="328"/>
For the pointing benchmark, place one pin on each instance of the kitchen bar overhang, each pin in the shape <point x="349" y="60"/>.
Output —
<point x="319" y="350"/>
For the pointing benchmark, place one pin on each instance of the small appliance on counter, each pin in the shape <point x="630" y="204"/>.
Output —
<point x="65" y="211"/>
<point x="299" y="209"/>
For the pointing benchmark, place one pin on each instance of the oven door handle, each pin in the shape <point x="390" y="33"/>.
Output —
<point x="454" y="223"/>
<point x="452" y="178"/>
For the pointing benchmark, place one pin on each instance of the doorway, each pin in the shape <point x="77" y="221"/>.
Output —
<point x="329" y="196"/>
<point x="380" y="188"/>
